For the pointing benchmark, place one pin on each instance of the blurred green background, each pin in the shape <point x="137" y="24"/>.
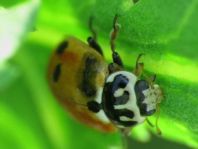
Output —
<point x="165" y="30"/>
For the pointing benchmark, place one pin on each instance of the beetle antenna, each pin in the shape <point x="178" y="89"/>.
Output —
<point x="157" y="120"/>
<point x="151" y="80"/>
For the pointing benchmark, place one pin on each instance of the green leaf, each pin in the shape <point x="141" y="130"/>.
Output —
<point x="8" y="4"/>
<point x="8" y="74"/>
<point x="15" y="23"/>
<point x="166" y="31"/>
<point x="18" y="135"/>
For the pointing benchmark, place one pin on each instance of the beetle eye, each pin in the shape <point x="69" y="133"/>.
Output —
<point x="140" y="86"/>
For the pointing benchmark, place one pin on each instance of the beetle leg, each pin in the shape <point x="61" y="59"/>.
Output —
<point x="92" y="43"/>
<point x="116" y="57"/>
<point x="113" y="67"/>
<point x="125" y="135"/>
<point x="156" y="123"/>
<point x="157" y="120"/>
<point x="149" y="122"/>
<point x="92" y="40"/>
<point x="94" y="35"/>
<point x="139" y="66"/>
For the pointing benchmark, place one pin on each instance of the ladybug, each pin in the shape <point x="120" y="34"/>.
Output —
<point x="103" y="96"/>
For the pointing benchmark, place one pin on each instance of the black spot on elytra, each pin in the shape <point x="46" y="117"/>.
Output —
<point x="61" y="47"/>
<point x="57" y="72"/>
<point x="94" y="106"/>
<point x="89" y="75"/>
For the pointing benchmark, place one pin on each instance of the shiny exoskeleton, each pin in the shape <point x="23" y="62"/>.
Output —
<point x="104" y="96"/>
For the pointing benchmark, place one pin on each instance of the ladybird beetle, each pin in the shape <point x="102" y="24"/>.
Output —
<point x="101" y="95"/>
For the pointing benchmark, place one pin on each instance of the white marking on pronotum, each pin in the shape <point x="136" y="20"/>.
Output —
<point x="119" y="92"/>
<point x="124" y="118"/>
<point x="101" y="114"/>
